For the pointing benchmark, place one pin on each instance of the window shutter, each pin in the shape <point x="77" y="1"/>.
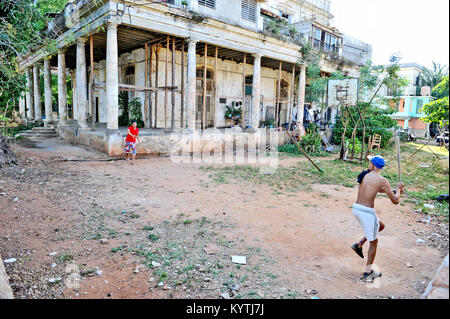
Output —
<point x="208" y="3"/>
<point x="249" y="10"/>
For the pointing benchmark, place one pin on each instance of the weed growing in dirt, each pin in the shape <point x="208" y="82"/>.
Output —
<point x="117" y="249"/>
<point x="65" y="257"/>
<point x="154" y="238"/>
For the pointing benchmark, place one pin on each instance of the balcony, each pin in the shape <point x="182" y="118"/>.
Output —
<point x="325" y="47"/>
<point x="282" y="30"/>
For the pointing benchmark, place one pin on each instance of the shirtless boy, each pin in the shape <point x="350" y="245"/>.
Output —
<point x="372" y="183"/>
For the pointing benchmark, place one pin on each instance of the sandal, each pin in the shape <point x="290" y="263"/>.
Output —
<point x="358" y="250"/>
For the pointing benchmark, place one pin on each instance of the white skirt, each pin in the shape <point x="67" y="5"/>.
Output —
<point x="368" y="220"/>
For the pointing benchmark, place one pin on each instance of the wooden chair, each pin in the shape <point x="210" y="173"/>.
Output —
<point x="376" y="141"/>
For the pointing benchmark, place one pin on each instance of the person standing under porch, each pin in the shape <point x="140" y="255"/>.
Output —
<point x="131" y="141"/>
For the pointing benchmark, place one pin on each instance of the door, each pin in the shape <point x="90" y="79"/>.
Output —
<point x="209" y="99"/>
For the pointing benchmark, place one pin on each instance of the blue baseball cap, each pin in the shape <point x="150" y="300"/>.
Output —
<point x="377" y="161"/>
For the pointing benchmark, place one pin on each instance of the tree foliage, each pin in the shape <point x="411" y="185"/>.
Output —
<point x="437" y="111"/>
<point x="377" y="121"/>
<point x="22" y="24"/>
<point x="434" y="76"/>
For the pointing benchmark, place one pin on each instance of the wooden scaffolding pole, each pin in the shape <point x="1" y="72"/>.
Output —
<point x="173" y="84"/>
<point x="150" y="72"/>
<point x="204" y="86"/>
<point x="166" y="93"/>
<point x="182" y="84"/>
<point x="215" y="84"/>
<point x="146" y="84"/>
<point x="243" y="91"/>
<point x="157" y="49"/>
<point x="277" y="107"/>
<point x="91" y="91"/>
<point x="291" y="108"/>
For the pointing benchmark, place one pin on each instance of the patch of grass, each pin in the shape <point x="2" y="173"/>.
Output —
<point x="134" y="216"/>
<point x="97" y="236"/>
<point x="187" y="222"/>
<point x="154" y="238"/>
<point x="148" y="228"/>
<point x="112" y="233"/>
<point x="65" y="257"/>
<point x="117" y="249"/>
<point x="270" y="275"/>
<point x="188" y="268"/>
<point x="162" y="275"/>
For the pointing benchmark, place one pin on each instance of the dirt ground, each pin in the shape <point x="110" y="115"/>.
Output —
<point x="169" y="231"/>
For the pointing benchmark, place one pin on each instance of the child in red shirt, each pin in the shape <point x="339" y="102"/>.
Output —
<point x="130" y="141"/>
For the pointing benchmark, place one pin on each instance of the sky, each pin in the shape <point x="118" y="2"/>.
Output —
<point x="418" y="29"/>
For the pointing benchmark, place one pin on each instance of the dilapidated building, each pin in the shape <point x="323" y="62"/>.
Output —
<point x="186" y="62"/>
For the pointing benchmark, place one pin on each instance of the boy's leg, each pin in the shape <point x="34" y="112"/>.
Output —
<point x="371" y="255"/>
<point x="362" y="242"/>
<point x="364" y="239"/>
<point x="133" y="152"/>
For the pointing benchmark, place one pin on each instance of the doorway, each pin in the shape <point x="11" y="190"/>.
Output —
<point x="209" y="98"/>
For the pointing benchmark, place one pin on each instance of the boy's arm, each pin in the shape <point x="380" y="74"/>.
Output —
<point x="387" y="189"/>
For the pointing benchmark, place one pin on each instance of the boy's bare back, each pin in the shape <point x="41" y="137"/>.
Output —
<point x="373" y="184"/>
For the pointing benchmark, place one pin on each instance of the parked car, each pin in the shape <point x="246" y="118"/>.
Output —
<point x="443" y="139"/>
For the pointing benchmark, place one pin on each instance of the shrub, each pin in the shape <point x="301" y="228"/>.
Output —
<point x="377" y="121"/>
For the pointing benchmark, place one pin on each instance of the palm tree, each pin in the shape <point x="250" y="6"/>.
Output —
<point x="432" y="77"/>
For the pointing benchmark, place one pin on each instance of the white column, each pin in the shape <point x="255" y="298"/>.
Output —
<point x="29" y="95"/>
<point x="74" y="95"/>
<point x="48" y="92"/>
<point x="256" y="100"/>
<point x="301" y="93"/>
<point x="112" y="78"/>
<point x="62" y="88"/>
<point x="37" y="93"/>
<point x="22" y="112"/>
<point x="82" y="98"/>
<point x="191" y="88"/>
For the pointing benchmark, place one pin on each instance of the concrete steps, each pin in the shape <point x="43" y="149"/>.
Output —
<point x="40" y="132"/>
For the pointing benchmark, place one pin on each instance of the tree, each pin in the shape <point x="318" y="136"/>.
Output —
<point x="437" y="111"/>
<point x="22" y="24"/>
<point x="21" y="29"/>
<point x="432" y="77"/>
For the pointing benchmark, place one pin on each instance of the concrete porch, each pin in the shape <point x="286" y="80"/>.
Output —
<point x="178" y="142"/>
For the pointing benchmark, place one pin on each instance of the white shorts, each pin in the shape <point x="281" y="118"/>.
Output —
<point x="368" y="220"/>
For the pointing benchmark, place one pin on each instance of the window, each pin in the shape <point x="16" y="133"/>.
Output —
<point x="327" y="43"/>
<point x="317" y="38"/>
<point x="419" y="106"/>
<point x="129" y="79"/>
<point x="248" y="10"/>
<point x="333" y="44"/>
<point x="249" y="85"/>
<point x="330" y="43"/>
<point x="208" y="3"/>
